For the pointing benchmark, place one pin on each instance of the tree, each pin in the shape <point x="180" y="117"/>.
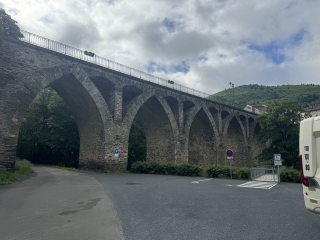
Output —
<point x="49" y="134"/>
<point x="137" y="143"/>
<point x="280" y="127"/>
<point x="8" y="27"/>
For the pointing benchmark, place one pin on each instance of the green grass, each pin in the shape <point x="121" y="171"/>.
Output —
<point x="22" y="170"/>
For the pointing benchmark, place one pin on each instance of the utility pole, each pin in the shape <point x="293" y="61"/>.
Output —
<point x="232" y="85"/>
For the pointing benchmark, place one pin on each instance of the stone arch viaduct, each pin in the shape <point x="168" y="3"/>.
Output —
<point x="179" y="127"/>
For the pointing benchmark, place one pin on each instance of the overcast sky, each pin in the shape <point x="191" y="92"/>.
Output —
<point x="203" y="44"/>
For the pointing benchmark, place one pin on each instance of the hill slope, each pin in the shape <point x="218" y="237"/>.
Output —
<point x="253" y="94"/>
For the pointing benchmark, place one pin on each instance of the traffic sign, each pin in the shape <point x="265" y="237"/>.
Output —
<point x="229" y="153"/>
<point x="277" y="159"/>
<point x="116" y="152"/>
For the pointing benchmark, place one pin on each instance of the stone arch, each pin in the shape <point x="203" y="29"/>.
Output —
<point x="132" y="111"/>
<point x="187" y="106"/>
<point x="190" y="118"/>
<point x="201" y="139"/>
<point x="160" y="128"/>
<point x="129" y="94"/>
<point x="106" y="88"/>
<point x="225" y="114"/>
<point x="256" y="145"/>
<point x="135" y="108"/>
<point x="92" y="115"/>
<point x="171" y="116"/>
<point x="243" y="123"/>
<point x="214" y="113"/>
<point x="224" y="117"/>
<point x="226" y="124"/>
<point x="253" y="125"/>
<point x="27" y="85"/>
<point x="234" y="138"/>
<point x="212" y="121"/>
<point x="173" y="103"/>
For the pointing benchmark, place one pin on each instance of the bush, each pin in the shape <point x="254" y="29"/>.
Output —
<point x="184" y="169"/>
<point x="218" y="171"/>
<point x="290" y="174"/>
<point x="22" y="169"/>
<point x="138" y="167"/>
<point x="242" y="173"/>
<point x="222" y="171"/>
<point x="187" y="169"/>
<point x="171" y="168"/>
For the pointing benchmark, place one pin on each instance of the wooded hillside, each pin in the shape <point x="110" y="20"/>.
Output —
<point x="253" y="94"/>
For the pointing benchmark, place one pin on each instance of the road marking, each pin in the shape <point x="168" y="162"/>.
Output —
<point x="202" y="180"/>
<point x="257" y="184"/>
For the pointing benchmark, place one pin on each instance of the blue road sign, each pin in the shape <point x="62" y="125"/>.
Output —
<point x="116" y="151"/>
<point x="229" y="153"/>
<point x="277" y="159"/>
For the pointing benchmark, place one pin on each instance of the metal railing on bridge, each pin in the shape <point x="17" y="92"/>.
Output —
<point x="92" y="58"/>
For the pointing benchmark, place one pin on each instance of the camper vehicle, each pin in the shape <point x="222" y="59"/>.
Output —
<point x="309" y="148"/>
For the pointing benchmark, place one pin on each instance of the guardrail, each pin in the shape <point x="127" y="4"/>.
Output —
<point x="265" y="174"/>
<point x="92" y="58"/>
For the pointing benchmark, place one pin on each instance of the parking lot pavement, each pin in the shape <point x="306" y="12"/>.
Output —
<point x="173" y="207"/>
<point x="57" y="204"/>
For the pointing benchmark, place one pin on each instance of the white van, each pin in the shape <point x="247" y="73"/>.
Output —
<point x="309" y="148"/>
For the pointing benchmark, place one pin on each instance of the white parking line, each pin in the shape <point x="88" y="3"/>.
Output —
<point x="202" y="180"/>
<point x="256" y="184"/>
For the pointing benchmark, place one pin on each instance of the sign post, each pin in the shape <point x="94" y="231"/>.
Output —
<point x="277" y="162"/>
<point x="116" y="152"/>
<point x="229" y="154"/>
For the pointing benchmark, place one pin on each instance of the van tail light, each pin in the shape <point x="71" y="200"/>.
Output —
<point x="304" y="180"/>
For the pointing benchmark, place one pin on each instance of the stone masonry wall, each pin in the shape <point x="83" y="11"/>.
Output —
<point x="179" y="127"/>
<point x="201" y="141"/>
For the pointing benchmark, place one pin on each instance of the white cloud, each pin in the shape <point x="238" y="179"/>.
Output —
<point x="212" y="37"/>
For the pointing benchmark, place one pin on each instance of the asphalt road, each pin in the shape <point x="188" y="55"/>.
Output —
<point x="170" y="207"/>
<point x="57" y="204"/>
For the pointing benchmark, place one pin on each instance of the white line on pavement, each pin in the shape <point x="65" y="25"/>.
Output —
<point x="256" y="184"/>
<point x="202" y="180"/>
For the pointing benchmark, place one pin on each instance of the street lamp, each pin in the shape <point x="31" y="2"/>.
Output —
<point x="232" y="85"/>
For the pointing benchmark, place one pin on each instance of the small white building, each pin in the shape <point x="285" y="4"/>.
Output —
<point x="314" y="111"/>
<point x="258" y="109"/>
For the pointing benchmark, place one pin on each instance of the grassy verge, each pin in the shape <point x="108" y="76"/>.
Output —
<point x="23" y="169"/>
